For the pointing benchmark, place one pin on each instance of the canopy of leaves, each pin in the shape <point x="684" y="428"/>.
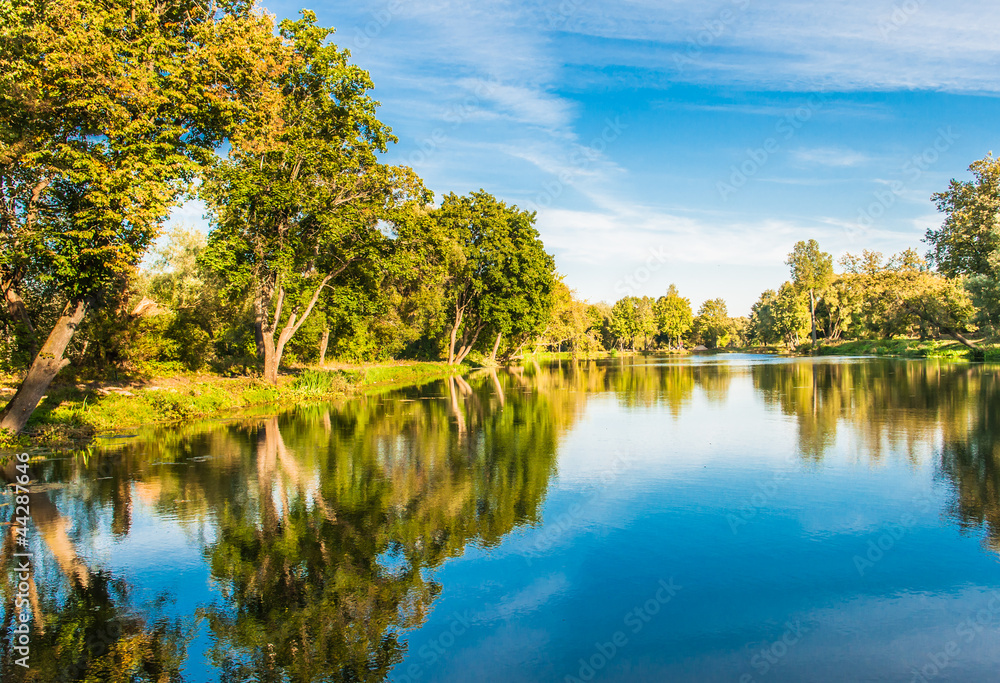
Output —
<point x="107" y="110"/>
<point x="967" y="241"/>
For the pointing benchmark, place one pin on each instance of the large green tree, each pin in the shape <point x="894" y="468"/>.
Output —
<point x="107" y="111"/>
<point x="300" y="196"/>
<point x="967" y="241"/>
<point x="502" y="280"/>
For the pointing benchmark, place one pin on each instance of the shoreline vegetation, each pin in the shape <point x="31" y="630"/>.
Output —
<point x="72" y="414"/>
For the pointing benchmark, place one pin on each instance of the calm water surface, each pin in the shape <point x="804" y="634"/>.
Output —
<point x="727" y="518"/>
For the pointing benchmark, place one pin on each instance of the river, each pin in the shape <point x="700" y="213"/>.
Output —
<point x="712" y="518"/>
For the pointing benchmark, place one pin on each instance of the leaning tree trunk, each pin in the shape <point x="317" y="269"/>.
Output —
<point x="943" y="326"/>
<point x="496" y="345"/>
<point x="469" y="338"/>
<point x="44" y="368"/>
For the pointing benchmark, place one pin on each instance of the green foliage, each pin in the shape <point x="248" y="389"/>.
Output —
<point x="811" y="268"/>
<point x="107" y="111"/>
<point x="571" y="325"/>
<point x="299" y="199"/>
<point x="625" y="323"/>
<point x="985" y="294"/>
<point x="501" y="278"/>
<point x="967" y="241"/>
<point x="781" y="316"/>
<point x="674" y="317"/>
<point x="320" y="383"/>
<point x="712" y="326"/>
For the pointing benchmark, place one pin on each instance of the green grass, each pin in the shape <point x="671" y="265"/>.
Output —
<point x="905" y="348"/>
<point x="71" y="414"/>
<point x="381" y="375"/>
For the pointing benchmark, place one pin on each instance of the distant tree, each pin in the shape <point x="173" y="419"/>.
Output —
<point x="763" y="328"/>
<point x="599" y="317"/>
<point x="624" y="323"/>
<point x="569" y="327"/>
<point x="781" y="316"/>
<point x="811" y="271"/>
<point x="712" y="325"/>
<point x="790" y="315"/>
<point x="740" y="334"/>
<point x="967" y="242"/>
<point x="673" y="316"/>
<point x="646" y="319"/>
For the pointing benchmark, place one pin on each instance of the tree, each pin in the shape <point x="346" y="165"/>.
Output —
<point x="107" y="111"/>
<point x="646" y="318"/>
<point x="624" y="323"/>
<point x="673" y="316"/>
<point x="301" y="194"/>
<point x="790" y="315"/>
<point x="762" y="323"/>
<point x="967" y="241"/>
<point x="502" y="279"/>
<point x="712" y="324"/>
<point x="569" y="325"/>
<point x="599" y="319"/>
<point x="811" y="270"/>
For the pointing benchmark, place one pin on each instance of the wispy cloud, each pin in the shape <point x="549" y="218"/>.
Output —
<point x="829" y="156"/>
<point x="788" y="44"/>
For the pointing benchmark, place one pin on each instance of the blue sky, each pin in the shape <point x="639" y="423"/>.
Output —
<point x="680" y="141"/>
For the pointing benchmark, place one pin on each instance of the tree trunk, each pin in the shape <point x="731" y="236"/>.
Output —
<point x="468" y="341"/>
<point x="266" y="328"/>
<point x="44" y="368"/>
<point x="454" y="334"/>
<point x="18" y="311"/>
<point x="271" y="359"/>
<point x="496" y="345"/>
<point x="258" y="337"/>
<point x="273" y="350"/>
<point x="944" y="327"/>
<point x="812" y="313"/>
<point x="323" y="343"/>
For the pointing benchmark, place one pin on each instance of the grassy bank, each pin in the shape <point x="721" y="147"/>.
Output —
<point x="904" y="348"/>
<point x="72" y="413"/>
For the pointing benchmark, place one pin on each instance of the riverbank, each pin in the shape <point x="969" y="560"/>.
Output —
<point x="907" y="348"/>
<point x="71" y="414"/>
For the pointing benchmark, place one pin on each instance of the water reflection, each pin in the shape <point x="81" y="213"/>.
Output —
<point x="324" y="523"/>
<point x="319" y="531"/>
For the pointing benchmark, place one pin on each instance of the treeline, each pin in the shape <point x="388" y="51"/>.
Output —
<point x="954" y="291"/>
<point x="111" y="113"/>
